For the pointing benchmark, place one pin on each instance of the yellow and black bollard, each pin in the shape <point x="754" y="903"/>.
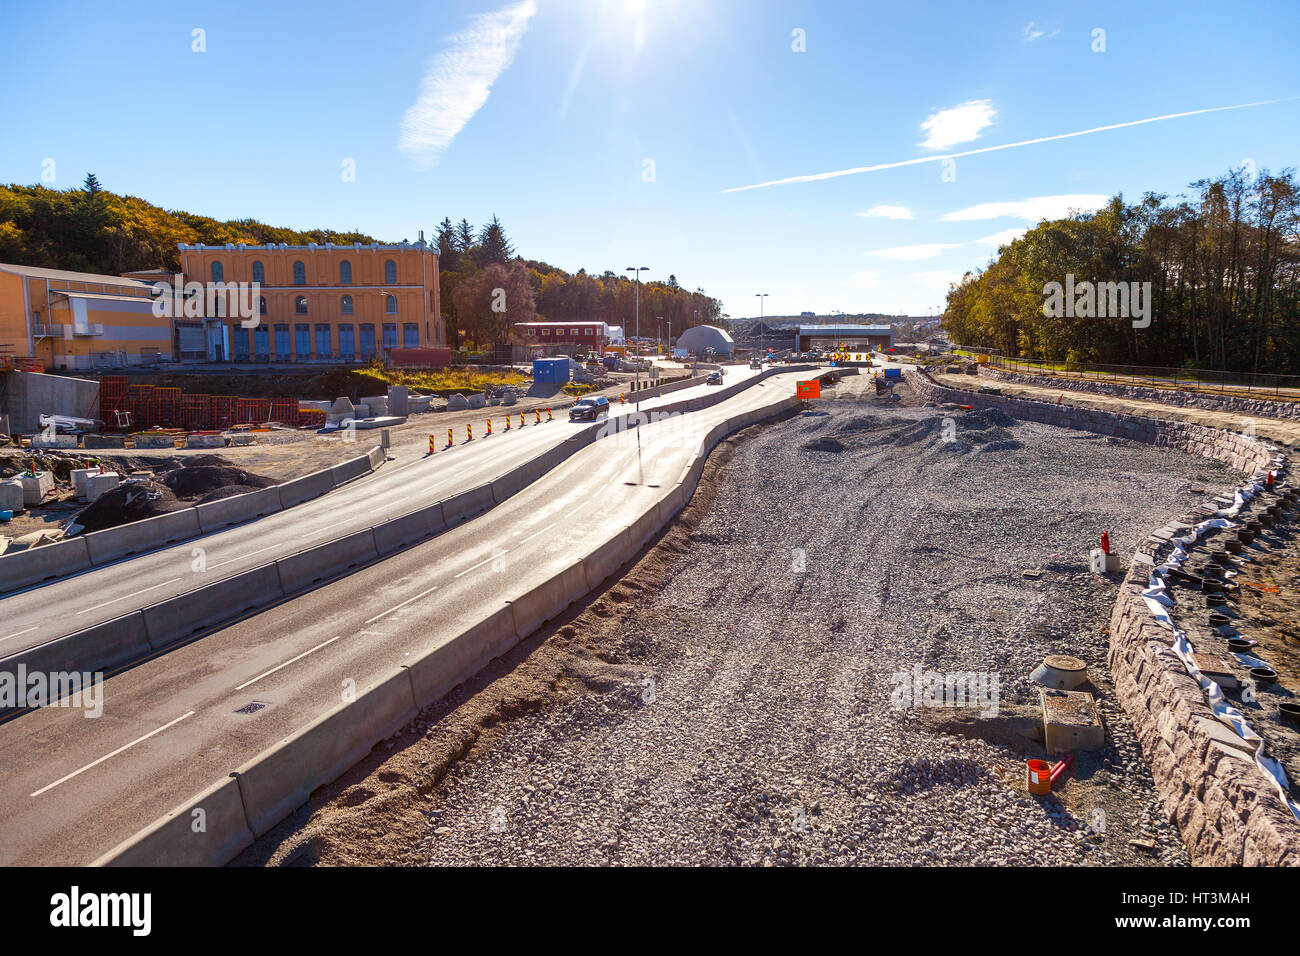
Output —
<point x="430" y="444"/>
<point x="507" y="421"/>
<point x="549" y="416"/>
<point x="489" y="428"/>
<point x="450" y="439"/>
<point x="521" y="420"/>
<point x="469" y="432"/>
<point x="538" y="413"/>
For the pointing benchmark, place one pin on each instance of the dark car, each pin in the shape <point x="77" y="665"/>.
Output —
<point x="589" y="409"/>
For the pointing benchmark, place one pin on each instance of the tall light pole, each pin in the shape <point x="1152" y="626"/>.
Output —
<point x="637" y="272"/>
<point x="760" y="296"/>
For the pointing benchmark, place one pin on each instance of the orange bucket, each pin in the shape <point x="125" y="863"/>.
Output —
<point x="1038" y="777"/>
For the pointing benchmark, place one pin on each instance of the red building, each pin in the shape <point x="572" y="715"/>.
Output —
<point x="564" y="336"/>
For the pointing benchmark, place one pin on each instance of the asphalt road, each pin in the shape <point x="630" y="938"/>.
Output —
<point x="75" y="787"/>
<point x="47" y="612"/>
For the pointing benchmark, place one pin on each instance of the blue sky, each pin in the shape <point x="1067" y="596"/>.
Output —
<point x="607" y="133"/>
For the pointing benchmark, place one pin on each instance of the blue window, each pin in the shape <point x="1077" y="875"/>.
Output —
<point x="390" y="305"/>
<point x="300" y="305"/>
<point x="322" y="341"/>
<point x="282" y="343"/>
<point x="411" y="334"/>
<point x="259" y="273"/>
<point x="390" y="335"/>
<point x="299" y="273"/>
<point x="262" y="343"/>
<point x="261" y="305"/>
<point x="367" y="342"/>
<point x="390" y="272"/>
<point x="239" y="342"/>
<point x="345" y="272"/>
<point x="347" y="342"/>
<point x="217" y="272"/>
<point x="347" y="305"/>
<point x="302" y="340"/>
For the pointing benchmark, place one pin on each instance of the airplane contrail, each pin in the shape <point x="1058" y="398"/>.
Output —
<point x="991" y="149"/>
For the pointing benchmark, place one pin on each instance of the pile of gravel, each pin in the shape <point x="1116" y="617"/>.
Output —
<point x="765" y="727"/>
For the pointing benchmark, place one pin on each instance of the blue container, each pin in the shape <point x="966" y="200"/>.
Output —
<point x="553" y="371"/>
<point x="893" y="373"/>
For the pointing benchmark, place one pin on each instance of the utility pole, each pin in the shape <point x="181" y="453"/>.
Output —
<point x="760" y="296"/>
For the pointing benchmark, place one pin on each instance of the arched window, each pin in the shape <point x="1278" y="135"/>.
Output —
<point x="347" y="305"/>
<point x="390" y="272"/>
<point x="390" y="304"/>
<point x="299" y="273"/>
<point x="345" y="272"/>
<point x="261" y="305"/>
<point x="218" y="272"/>
<point x="300" y="305"/>
<point x="259" y="273"/>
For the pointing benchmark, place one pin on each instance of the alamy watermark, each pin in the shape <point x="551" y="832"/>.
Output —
<point x="24" y="688"/>
<point x="1098" y="300"/>
<point x="918" y="688"/>
<point x="194" y="300"/>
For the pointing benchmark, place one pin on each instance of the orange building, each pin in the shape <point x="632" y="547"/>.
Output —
<point x="318" y="303"/>
<point x="79" y="320"/>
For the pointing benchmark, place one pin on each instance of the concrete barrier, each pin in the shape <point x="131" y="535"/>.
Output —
<point x="399" y="533"/>
<point x="377" y="457"/>
<point x="94" y="648"/>
<point x="137" y="537"/>
<point x="441" y="668"/>
<point x="177" y="618"/>
<point x="467" y="504"/>
<point x="225" y="512"/>
<point x="548" y="599"/>
<point x="173" y="840"/>
<point x="669" y="505"/>
<point x="352" y="468"/>
<point x="280" y="779"/>
<point x="301" y="570"/>
<point x="20" y="569"/>
<point x="305" y="488"/>
<point x="608" y="558"/>
<point x="517" y="479"/>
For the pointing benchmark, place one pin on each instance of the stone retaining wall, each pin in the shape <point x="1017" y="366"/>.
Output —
<point x="1228" y="810"/>
<point x="1246" y="407"/>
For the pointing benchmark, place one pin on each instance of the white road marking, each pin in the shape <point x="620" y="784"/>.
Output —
<point x="19" y="633"/>
<point x="151" y="587"/>
<point x="499" y="554"/>
<point x="536" y="533"/>
<point x="287" y="663"/>
<point x="113" y="754"/>
<point x="398" y="607"/>
<point x="213" y="567"/>
<point x="315" y="534"/>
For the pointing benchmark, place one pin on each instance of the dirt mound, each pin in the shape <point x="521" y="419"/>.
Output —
<point x="869" y="423"/>
<point x="228" y="491"/>
<point x="985" y="418"/>
<point x="133" y="501"/>
<point x="195" y="481"/>
<point x="825" y="443"/>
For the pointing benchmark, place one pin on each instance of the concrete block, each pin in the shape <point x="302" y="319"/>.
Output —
<point x="477" y="400"/>
<point x="378" y="456"/>
<point x="239" y="438"/>
<point x="225" y="512"/>
<point x="457" y="403"/>
<point x="155" y="441"/>
<point x="341" y="408"/>
<point x="608" y="558"/>
<point x="54" y="441"/>
<point x="352" y="468"/>
<point x="21" y="569"/>
<point x="205" y="441"/>
<point x="1070" y="721"/>
<point x="398" y="400"/>
<point x="305" y="488"/>
<point x="100" y="484"/>
<point x="137" y="537"/>
<point x="177" y="618"/>
<point x="103" y="441"/>
<point x="548" y="599"/>
<point x="78" y="476"/>
<point x="301" y="570"/>
<point x="419" y="405"/>
<point x="280" y="779"/>
<point x="36" y="487"/>
<point x="456" y="660"/>
<point x="98" y="647"/>
<point x="172" y="841"/>
<point x="467" y="504"/>
<point x="393" y="536"/>
<point x="11" y="496"/>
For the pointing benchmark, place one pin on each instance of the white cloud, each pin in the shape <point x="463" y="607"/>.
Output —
<point x="1002" y="238"/>
<point x="912" y="253"/>
<point x="887" y="211"/>
<point x="938" y="279"/>
<point x="459" y="79"/>
<point x="957" y="124"/>
<point x="1031" y="210"/>
<point x="1034" y="32"/>
<point x="866" y="280"/>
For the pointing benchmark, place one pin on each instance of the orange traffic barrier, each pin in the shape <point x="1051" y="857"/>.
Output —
<point x="507" y="422"/>
<point x="548" y="414"/>
<point x="430" y="444"/>
<point x="469" y="432"/>
<point x="522" y="423"/>
<point x="489" y="429"/>
<point x="622" y="398"/>
<point x="450" y="439"/>
<point x="538" y="413"/>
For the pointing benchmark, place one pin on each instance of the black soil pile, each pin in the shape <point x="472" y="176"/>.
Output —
<point x="133" y="501"/>
<point x="204" y="478"/>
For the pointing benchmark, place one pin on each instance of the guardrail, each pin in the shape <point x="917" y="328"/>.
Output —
<point x="121" y="641"/>
<point x="264" y="790"/>
<point x="34" y="566"/>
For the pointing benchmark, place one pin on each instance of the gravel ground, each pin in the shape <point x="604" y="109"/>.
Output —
<point x="731" y="700"/>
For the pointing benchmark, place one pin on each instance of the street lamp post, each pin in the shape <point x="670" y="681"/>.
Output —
<point x="637" y="272"/>
<point x="760" y="296"/>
